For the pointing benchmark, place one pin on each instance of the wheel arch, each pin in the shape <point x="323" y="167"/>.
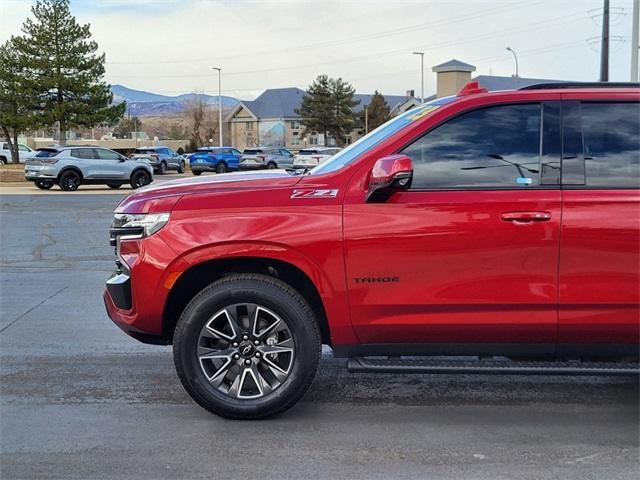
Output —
<point x="198" y="276"/>
<point x="67" y="169"/>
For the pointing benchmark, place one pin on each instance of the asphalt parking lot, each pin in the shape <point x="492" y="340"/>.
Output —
<point x="79" y="399"/>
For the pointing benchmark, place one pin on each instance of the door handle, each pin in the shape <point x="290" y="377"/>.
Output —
<point x="526" y="217"/>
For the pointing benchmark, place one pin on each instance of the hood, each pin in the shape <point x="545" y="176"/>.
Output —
<point x="139" y="201"/>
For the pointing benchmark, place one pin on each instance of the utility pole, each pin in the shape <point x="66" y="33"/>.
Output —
<point x="366" y="119"/>
<point x="219" y="103"/>
<point x="635" y="42"/>
<point x="604" y="48"/>
<point x="421" y="75"/>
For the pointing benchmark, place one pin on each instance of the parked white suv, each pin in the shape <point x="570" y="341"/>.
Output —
<point x="24" y="152"/>
<point x="312" y="157"/>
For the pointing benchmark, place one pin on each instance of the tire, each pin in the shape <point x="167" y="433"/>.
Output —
<point x="221" y="167"/>
<point x="115" y="186"/>
<point x="296" y="327"/>
<point x="162" y="170"/>
<point x="70" y="181"/>
<point x="43" y="184"/>
<point x="181" y="167"/>
<point x="4" y="160"/>
<point x="140" y="178"/>
<point x="196" y="172"/>
<point x="271" y="166"/>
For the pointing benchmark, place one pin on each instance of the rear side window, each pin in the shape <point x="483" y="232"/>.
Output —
<point x="86" y="153"/>
<point x="611" y="139"/>
<point x="493" y="147"/>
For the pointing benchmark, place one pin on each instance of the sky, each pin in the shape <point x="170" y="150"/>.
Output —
<point x="171" y="46"/>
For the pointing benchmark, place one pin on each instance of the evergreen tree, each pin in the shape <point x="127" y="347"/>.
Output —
<point x="17" y="102"/>
<point x="126" y="126"/>
<point x="316" y="108"/>
<point x="343" y="103"/>
<point x="378" y="112"/>
<point x="327" y="108"/>
<point x="63" y="66"/>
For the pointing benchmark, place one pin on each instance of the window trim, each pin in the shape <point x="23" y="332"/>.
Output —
<point x="482" y="188"/>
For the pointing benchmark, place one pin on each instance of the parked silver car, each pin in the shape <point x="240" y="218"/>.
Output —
<point x="161" y="159"/>
<point x="266" y="157"/>
<point x="24" y="152"/>
<point x="71" y="166"/>
<point x="312" y="157"/>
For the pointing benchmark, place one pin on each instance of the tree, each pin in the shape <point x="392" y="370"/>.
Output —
<point x="316" y="106"/>
<point x="345" y="119"/>
<point x="126" y="126"/>
<point x="17" y="102"/>
<point x="204" y="124"/>
<point x="63" y="67"/>
<point x="377" y="112"/>
<point x="327" y="108"/>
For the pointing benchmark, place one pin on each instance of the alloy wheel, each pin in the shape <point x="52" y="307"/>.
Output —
<point x="246" y="351"/>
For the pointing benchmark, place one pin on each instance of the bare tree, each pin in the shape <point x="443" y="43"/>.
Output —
<point x="202" y="120"/>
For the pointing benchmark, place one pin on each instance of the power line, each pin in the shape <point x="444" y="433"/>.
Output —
<point x="502" y="32"/>
<point x="341" y="42"/>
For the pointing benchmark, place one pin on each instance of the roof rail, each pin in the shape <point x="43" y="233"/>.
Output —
<point x="560" y="85"/>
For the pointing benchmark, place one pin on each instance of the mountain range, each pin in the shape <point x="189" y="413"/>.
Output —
<point x="141" y="103"/>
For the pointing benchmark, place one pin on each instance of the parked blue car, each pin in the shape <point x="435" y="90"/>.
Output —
<point x="214" y="159"/>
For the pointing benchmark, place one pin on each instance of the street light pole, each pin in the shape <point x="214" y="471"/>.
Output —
<point x="421" y="75"/>
<point x="219" y="102"/>
<point x="515" y="57"/>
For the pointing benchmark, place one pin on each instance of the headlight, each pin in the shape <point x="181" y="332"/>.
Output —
<point x="139" y="224"/>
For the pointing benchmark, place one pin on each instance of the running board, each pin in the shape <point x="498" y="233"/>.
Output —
<point x="491" y="366"/>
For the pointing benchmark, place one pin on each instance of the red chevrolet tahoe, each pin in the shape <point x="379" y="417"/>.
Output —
<point x="494" y="227"/>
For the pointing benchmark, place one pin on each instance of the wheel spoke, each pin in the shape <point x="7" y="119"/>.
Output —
<point x="268" y="329"/>
<point x="220" y="334"/>
<point x="278" y="372"/>
<point x="269" y="349"/>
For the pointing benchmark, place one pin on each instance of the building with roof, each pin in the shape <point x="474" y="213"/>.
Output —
<point x="271" y="119"/>
<point x="451" y="76"/>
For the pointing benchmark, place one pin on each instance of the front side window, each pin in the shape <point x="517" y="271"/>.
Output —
<point x="107" y="154"/>
<point x="493" y="147"/>
<point x="611" y="139"/>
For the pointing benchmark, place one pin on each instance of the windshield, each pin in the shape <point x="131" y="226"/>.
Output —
<point x="145" y="150"/>
<point x="384" y="131"/>
<point x="252" y="151"/>
<point x="307" y="152"/>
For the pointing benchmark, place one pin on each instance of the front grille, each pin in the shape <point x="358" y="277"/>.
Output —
<point x="115" y="232"/>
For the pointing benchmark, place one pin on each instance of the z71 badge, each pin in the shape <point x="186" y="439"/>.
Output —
<point x="315" y="193"/>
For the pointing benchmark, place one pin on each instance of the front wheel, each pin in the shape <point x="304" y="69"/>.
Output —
<point x="181" y="167"/>
<point x="140" y="178"/>
<point x="43" y="184"/>
<point x="221" y="168"/>
<point x="247" y="347"/>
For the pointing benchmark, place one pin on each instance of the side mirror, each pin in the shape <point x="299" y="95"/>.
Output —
<point x="389" y="173"/>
